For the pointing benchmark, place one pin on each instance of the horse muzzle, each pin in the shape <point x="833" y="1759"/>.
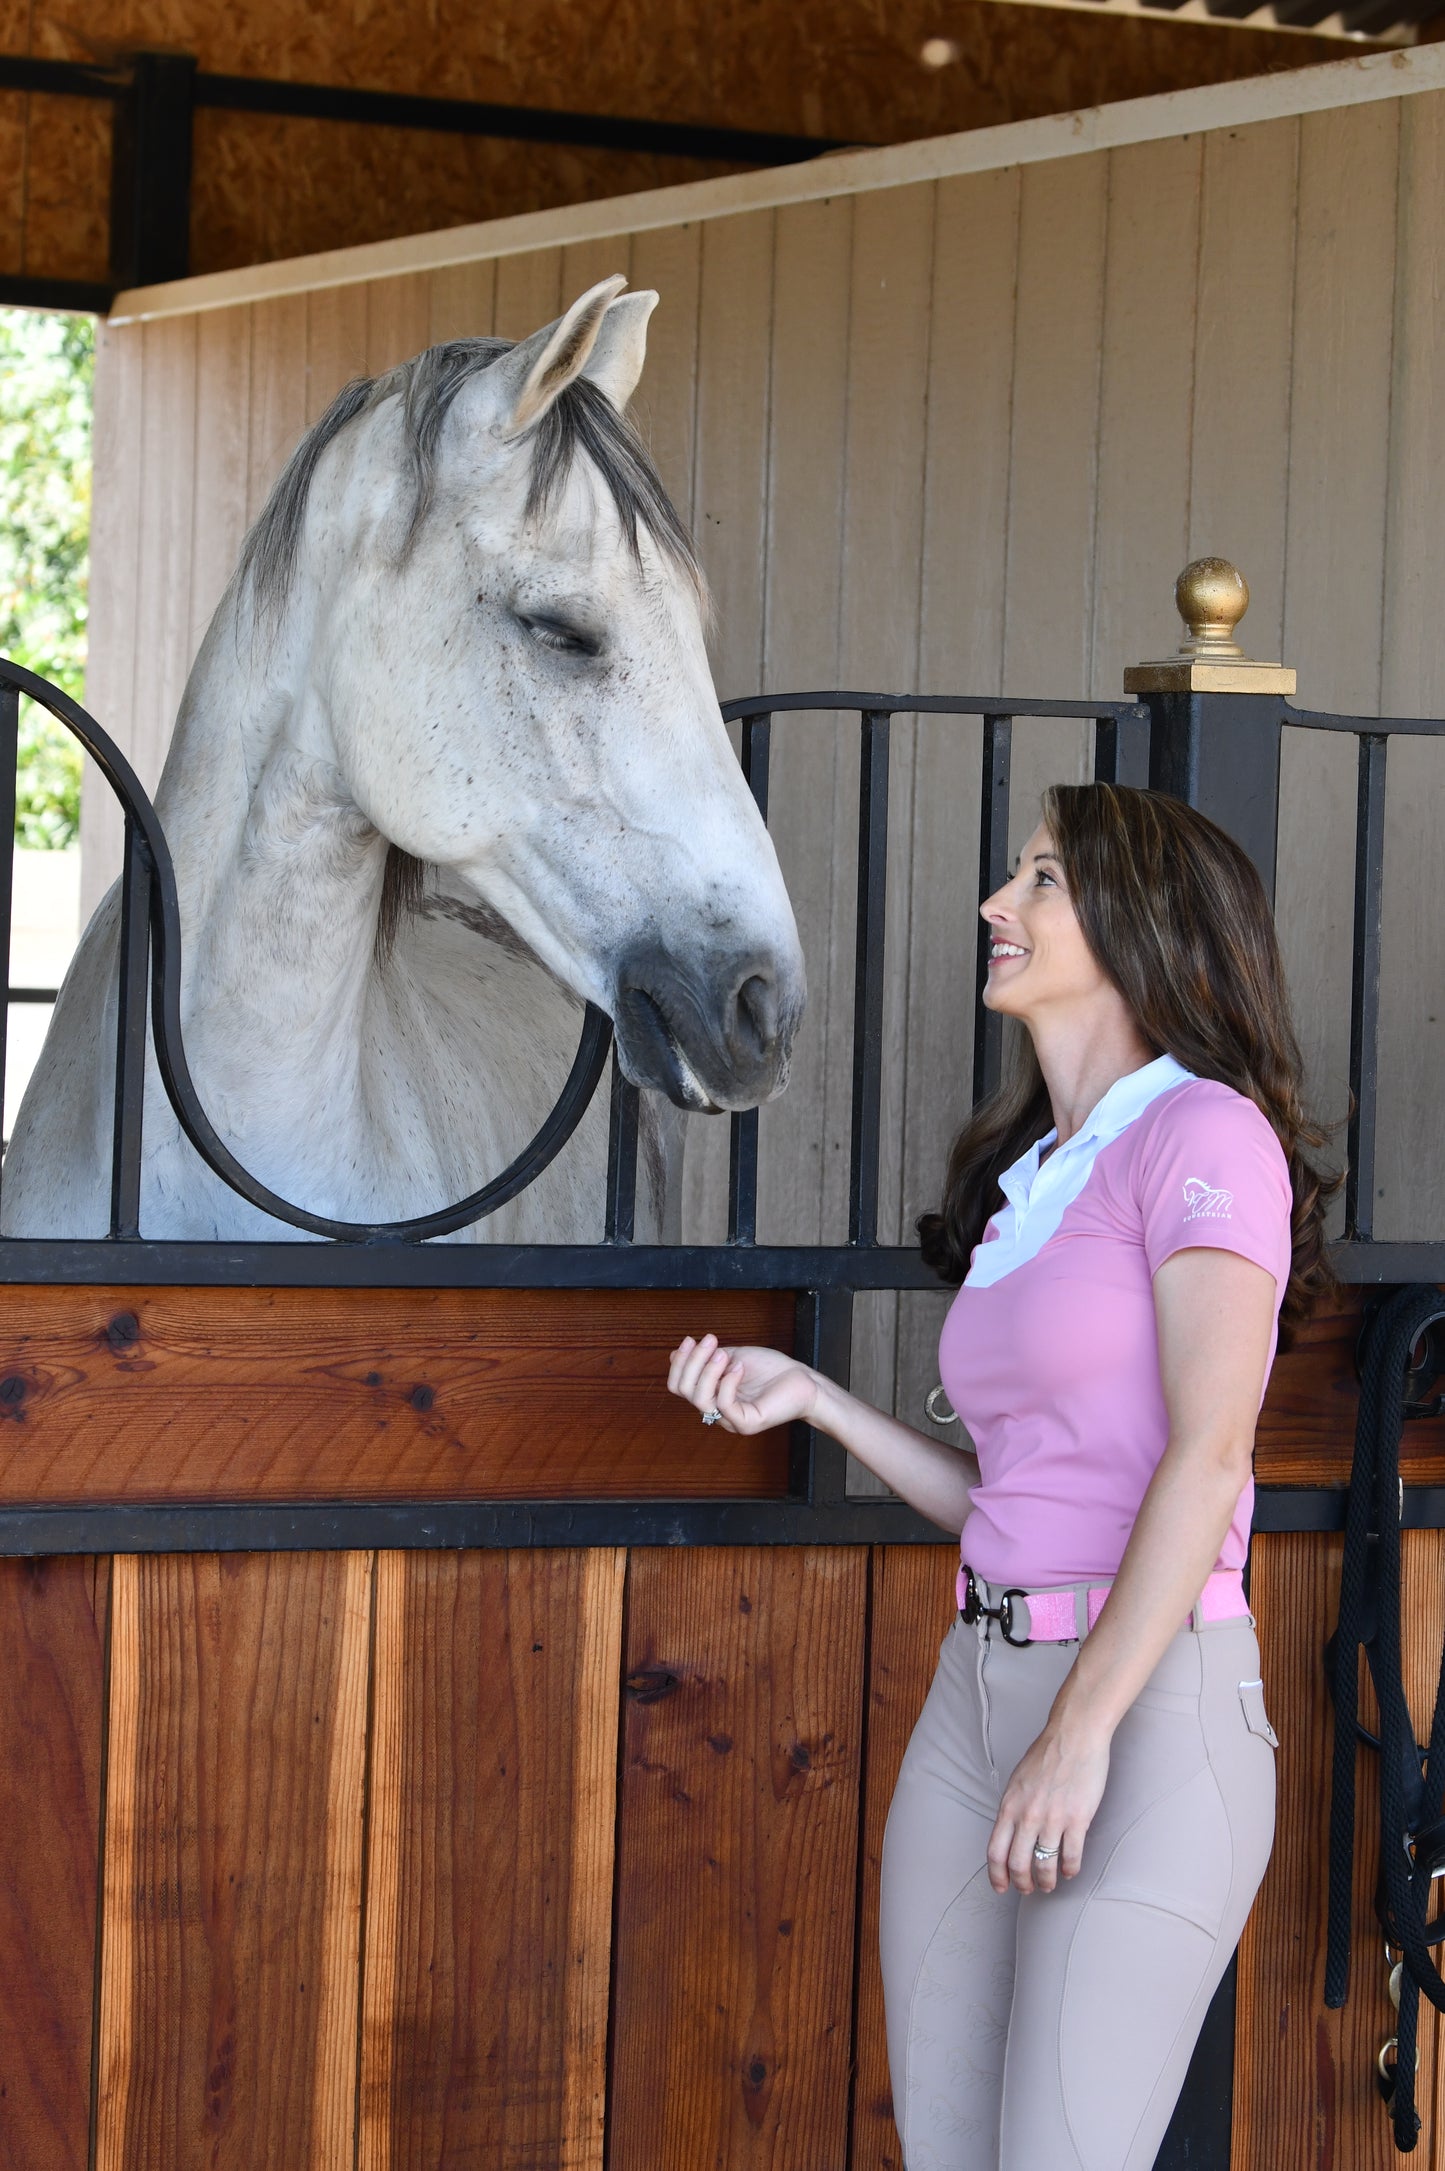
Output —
<point x="710" y="1037"/>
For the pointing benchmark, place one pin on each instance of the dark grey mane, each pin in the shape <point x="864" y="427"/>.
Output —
<point x="582" y="420"/>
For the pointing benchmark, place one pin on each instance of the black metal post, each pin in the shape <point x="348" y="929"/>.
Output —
<point x="1365" y="989"/>
<point x="1220" y="753"/>
<point x="621" y="1210"/>
<point x="823" y="1338"/>
<point x="757" y="741"/>
<point x="130" y="1037"/>
<point x="868" y="978"/>
<point x="9" y="754"/>
<point x="993" y="816"/>
<point x="150" y="205"/>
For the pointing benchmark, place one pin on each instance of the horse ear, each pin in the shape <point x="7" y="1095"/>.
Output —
<point x="540" y="367"/>
<point x="620" y="348"/>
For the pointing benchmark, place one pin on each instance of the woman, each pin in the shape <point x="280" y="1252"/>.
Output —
<point x="1086" y="1806"/>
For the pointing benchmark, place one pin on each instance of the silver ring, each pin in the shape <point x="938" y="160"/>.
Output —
<point x="712" y="1417"/>
<point x="1046" y="1854"/>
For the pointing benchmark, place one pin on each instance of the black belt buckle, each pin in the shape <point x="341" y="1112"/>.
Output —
<point x="973" y="1610"/>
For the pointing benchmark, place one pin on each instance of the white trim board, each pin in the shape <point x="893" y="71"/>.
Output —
<point x="1360" y="81"/>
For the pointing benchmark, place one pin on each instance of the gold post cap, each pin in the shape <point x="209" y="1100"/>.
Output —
<point x="1212" y="596"/>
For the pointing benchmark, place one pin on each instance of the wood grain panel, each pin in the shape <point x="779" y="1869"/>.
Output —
<point x="489" y="1911"/>
<point x="233" y="1862"/>
<point x="398" y="320"/>
<point x="1239" y="454"/>
<point x="1305" y="2093"/>
<point x="912" y="1603"/>
<point x="279" y="405"/>
<point x="1145" y="396"/>
<point x="529" y="292"/>
<point x="52" y="1645"/>
<point x="233" y="1394"/>
<point x="669" y="261"/>
<point x="223" y="413"/>
<point x="737" y="1858"/>
<point x="1306" y="1433"/>
<point x="463" y="297"/>
<point x="336" y="319"/>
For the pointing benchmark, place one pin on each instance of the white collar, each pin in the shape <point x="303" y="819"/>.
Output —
<point x="1037" y="1195"/>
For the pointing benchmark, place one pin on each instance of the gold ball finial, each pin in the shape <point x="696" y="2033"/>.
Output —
<point x="1213" y="596"/>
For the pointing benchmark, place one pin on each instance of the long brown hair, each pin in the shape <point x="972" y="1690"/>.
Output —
<point x="1176" y="915"/>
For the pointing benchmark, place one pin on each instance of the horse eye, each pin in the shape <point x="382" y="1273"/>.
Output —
<point x="556" y="634"/>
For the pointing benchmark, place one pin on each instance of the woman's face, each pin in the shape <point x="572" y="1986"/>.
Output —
<point x="1038" y="958"/>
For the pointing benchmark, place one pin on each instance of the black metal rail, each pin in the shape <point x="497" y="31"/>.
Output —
<point x="156" y="96"/>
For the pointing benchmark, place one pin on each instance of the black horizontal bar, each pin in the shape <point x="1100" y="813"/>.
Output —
<point x="412" y="1526"/>
<point x="20" y="291"/>
<point x="139" y="1263"/>
<point x="449" y="116"/>
<point x="1385" y="727"/>
<point x="302" y="1265"/>
<point x="34" y="995"/>
<point x="945" y="705"/>
<point x="517" y="124"/>
<point x="1322" y="1507"/>
<point x="62" y="78"/>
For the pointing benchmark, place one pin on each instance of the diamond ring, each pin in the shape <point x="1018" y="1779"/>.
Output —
<point x="712" y="1417"/>
<point x="1045" y="1854"/>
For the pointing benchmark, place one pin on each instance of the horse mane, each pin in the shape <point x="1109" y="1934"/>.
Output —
<point x="580" y="422"/>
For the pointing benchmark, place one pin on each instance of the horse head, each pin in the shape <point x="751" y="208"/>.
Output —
<point x="504" y="647"/>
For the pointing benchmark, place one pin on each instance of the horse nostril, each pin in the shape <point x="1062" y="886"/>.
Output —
<point x="755" y="1024"/>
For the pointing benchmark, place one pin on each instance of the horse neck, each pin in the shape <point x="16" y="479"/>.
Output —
<point x="278" y="874"/>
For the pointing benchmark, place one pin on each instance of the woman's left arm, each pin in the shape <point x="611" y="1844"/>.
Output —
<point x="1214" y="1310"/>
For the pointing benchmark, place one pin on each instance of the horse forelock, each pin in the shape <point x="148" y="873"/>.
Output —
<point x="580" y="423"/>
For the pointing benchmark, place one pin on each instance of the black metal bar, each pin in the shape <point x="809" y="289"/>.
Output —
<point x="1121" y="748"/>
<point x="863" y="1167"/>
<point x="1322" y="1507"/>
<point x="89" y="1261"/>
<point x="130" y="1037"/>
<point x="621" y="1157"/>
<point x="62" y="78"/>
<point x="756" y="750"/>
<point x="9" y="755"/>
<point x="225" y="1527"/>
<point x="993" y="820"/>
<point x="82" y="297"/>
<point x="517" y="124"/>
<point x="1365" y="987"/>
<point x="911" y="704"/>
<point x="329" y="1526"/>
<point x="34" y="995"/>
<point x="823" y="1338"/>
<point x="150" y="209"/>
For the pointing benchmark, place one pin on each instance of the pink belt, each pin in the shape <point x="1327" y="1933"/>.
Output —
<point x="1067" y="1615"/>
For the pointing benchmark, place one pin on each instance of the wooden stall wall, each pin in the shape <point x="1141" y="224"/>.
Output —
<point x="958" y="435"/>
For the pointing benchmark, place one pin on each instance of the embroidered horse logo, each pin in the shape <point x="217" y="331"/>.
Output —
<point x="1204" y="1202"/>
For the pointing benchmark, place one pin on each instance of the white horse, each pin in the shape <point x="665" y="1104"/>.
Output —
<point x="450" y="761"/>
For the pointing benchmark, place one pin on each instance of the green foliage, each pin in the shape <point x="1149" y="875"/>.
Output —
<point x="46" y="368"/>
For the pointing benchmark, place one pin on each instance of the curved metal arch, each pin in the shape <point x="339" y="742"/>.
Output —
<point x="165" y="933"/>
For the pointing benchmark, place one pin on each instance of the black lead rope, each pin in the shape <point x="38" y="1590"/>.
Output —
<point x="1412" y="1779"/>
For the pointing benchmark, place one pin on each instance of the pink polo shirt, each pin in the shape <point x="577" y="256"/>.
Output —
<point x="1050" y="1353"/>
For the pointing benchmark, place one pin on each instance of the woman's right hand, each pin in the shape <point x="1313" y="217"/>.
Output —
<point x="751" y="1388"/>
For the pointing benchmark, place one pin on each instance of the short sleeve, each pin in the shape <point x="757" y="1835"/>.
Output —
<point x="1213" y="1173"/>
